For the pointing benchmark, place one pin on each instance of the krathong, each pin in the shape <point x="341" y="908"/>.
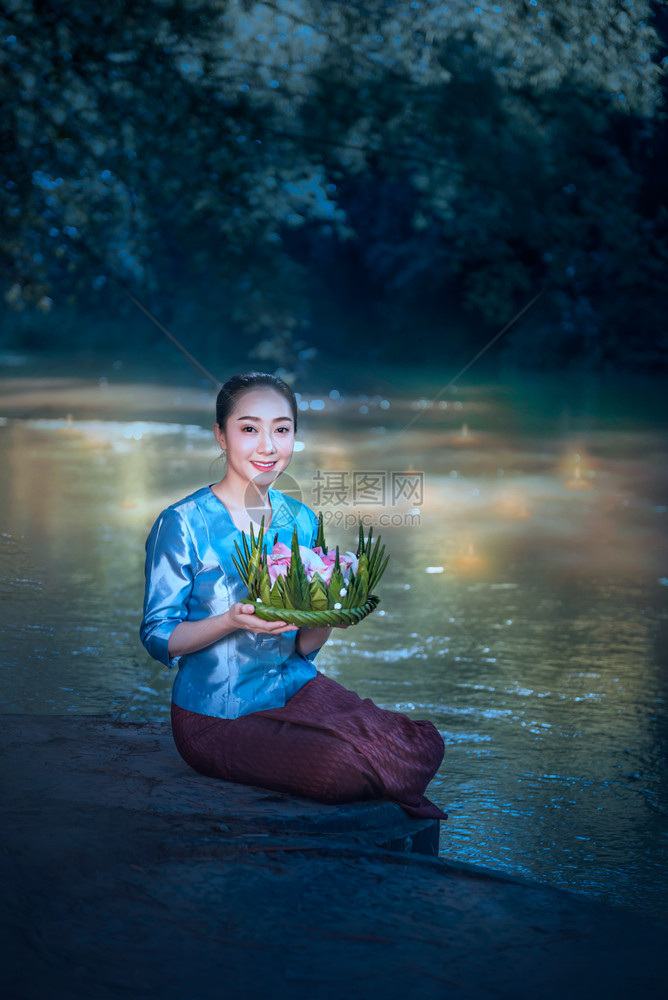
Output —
<point x="310" y="587"/>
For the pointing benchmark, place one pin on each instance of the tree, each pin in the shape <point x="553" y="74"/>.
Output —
<point x="493" y="134"/>
<point x="127" y="152"/>
<point x="239" y="152"/>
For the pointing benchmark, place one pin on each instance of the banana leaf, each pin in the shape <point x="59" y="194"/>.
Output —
<point x="256" y="547"/>
<point x="320" y="537"/>
<point x="336" y="583"/>
<point x="296" y="581"/>
<point x="241" y="570"/>
<point x="318" y="594"/>
<point x="265" y="585"/>
<point x="276" y="598"/>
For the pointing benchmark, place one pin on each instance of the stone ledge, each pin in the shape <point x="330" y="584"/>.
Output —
<point x="126" y="874"/>
<point x="136" y="766"/>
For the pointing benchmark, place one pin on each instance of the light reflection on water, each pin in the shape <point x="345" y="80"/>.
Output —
<point x="538" y="651"/>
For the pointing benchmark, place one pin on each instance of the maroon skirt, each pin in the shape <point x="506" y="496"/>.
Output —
<point x="326" y="743"/>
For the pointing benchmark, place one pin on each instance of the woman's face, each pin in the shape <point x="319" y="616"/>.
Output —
<point x="259" y="436"/>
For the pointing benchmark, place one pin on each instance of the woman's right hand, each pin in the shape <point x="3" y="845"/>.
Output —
<point x="188" y="637"/>
<point x="242" y="615"/>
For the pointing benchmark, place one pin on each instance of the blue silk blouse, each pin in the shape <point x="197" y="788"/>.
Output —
<point x="190" y="575"/>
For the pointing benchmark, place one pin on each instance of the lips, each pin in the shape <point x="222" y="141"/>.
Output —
<point x="264" y="465"/>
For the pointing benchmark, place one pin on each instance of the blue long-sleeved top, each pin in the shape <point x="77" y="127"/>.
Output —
<point x="190" y="576"/>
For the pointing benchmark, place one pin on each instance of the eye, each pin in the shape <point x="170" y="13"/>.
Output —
<point x="249" y="427"/>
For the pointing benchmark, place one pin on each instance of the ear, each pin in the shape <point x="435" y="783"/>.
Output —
<point x="220" y="437"/>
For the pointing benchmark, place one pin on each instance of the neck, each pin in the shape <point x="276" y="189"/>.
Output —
<point x="242" y="493"/>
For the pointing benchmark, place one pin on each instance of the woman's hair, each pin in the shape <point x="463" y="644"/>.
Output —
<point x="238" y="384"/>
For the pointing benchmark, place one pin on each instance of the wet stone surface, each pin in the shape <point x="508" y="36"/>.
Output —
<point x="126" y="874"/>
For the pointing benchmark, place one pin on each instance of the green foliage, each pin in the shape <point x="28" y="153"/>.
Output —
<point x="318" y="594"/>
<point x="294" y="591"/>
<point x="456" y="153"/>
<point x="265" y="583"/>
<point x="320" y="535"/>
<point x="296" y="582"/>
<point x="276" y="595"/>
<point x="336" y="584"/>
<point x="359" y="585"/>
<point x="248" y="561"/>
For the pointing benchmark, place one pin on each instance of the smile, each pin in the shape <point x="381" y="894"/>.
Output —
<point x="263" y="465"/>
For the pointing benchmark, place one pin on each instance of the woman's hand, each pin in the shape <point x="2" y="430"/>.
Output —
<point x="188" y="637"/>
<point x="243" y="616"/>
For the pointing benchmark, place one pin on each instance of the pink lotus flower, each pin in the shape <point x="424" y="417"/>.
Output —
<point x="313" y="560"/>
<point x="278" y="561"/>
<point x="347" y="561"/>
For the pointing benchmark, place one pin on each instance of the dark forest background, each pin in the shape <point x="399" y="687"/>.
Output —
<point x="374" y="180"/>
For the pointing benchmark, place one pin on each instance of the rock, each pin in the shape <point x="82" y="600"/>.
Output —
<point x="127" y="874"/>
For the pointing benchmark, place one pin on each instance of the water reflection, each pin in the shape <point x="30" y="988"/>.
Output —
<point x="522" y="614"/>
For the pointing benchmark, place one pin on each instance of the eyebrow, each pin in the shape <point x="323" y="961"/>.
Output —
<point x="258" y="418"/>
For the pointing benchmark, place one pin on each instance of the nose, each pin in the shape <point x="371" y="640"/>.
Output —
<point x="267" y="444"/>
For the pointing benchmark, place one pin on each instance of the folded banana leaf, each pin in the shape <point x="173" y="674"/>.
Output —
<point x="310" y="603"/>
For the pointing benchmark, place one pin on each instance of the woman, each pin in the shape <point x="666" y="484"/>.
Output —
<point x="248" y="703"/>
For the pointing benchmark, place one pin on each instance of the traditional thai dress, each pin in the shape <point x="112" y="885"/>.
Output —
<point x="251" y="708"/>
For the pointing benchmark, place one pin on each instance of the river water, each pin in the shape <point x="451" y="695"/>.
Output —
<point x="523" y="611"/>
